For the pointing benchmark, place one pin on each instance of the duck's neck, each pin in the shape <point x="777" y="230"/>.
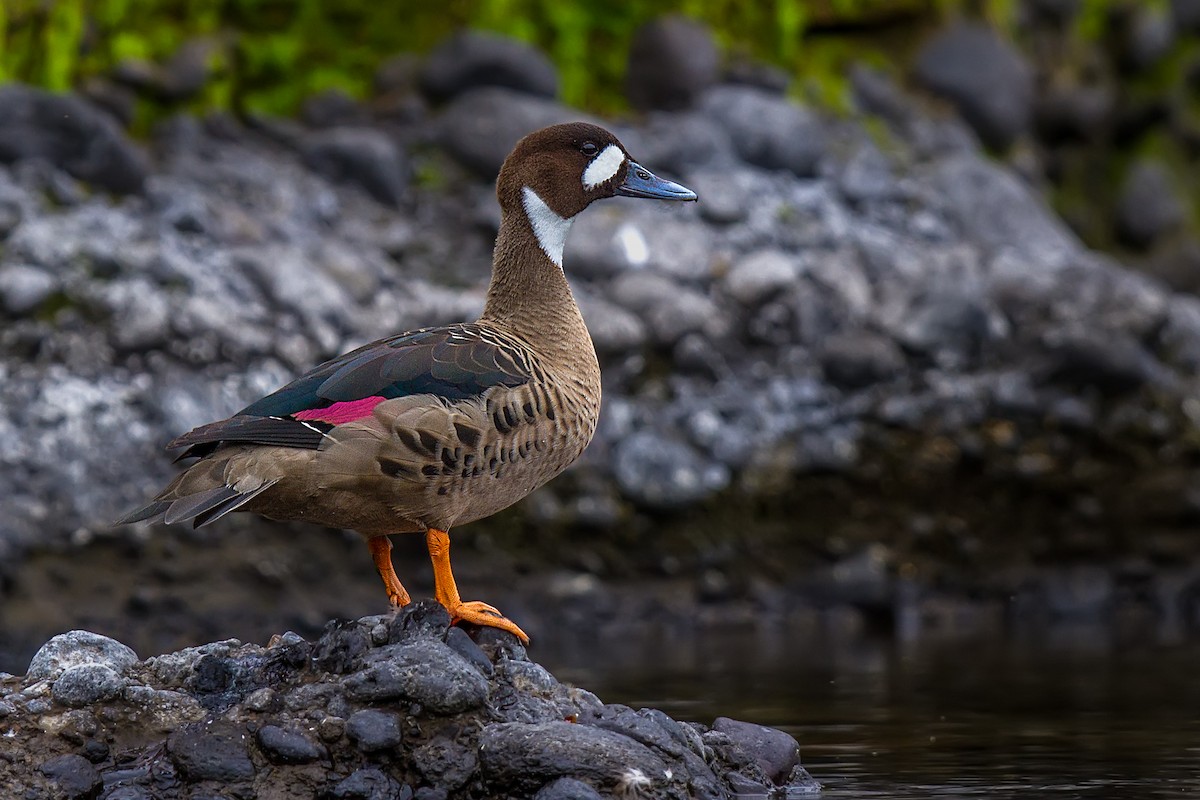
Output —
<point x="529" y="294"/>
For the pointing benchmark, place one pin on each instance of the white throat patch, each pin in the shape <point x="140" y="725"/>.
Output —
<point x="549" y="228"/>
<point x="603" y="166"/>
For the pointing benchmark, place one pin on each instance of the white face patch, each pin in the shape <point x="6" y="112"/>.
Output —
<point x="603" y="166"/>
<point x="549" y="228"/>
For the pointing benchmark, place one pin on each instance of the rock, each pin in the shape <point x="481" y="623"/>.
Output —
<point x="760" y="275"/>
<point x="445" y="763"/>
<point x="79" y="647"/>
<point x="72" y="135"/>
<point x="1147" y="38"/>
<point x="361" y="156"/>
<point x="673" y="143"/>
<point x="987" y="80"/>
<point x="458" y="641"/>
<point x="180" y="78"/>
<point x="215" y="752"/>
<point x="567" y="789"/>
<point x="334" y="108"/>
<point x="1114" y="364"/>
<point x="659" y="472"/>
<point x="746" y="71"/>
<point x="994" y="209"/>
<point x="768" y="131"/>
<point x="481" y="126"/>
<point x="857" y="359"/>
<point x="83" y="684"/>
<point x="23" y="288"/>
<point x="426" y="672"/>
<point x="74" y="775"/>
<point x="775" y="752"/>
<point x="685" y="312"/>
<point x="288" y="746"/>
<point x="370" y="783"/>
<point x="1186" y="14"/>
<point x="471" y="59"/>
<point x="1066" y="113"/>
<point x="672" y="61"/>
<point x="613" y="329"/>
<point x="373" y="730"/>
<point x="606" y="243"/>
<point x="1149" y="206"/>
<point x="520" y="758"/>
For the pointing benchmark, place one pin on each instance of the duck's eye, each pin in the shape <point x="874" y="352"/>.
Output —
<point x="588" y="148"/>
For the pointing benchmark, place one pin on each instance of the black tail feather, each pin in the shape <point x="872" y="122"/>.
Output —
<point x="227" y="506"/>
<point x="154" y="508"/>
<point x="193" y="504"/>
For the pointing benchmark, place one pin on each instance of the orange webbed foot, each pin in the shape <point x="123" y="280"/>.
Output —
<point x="478" y="613"/>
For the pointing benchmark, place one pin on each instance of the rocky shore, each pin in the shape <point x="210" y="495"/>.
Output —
<point x="382" y="708"/>
<point x="870" y="369"/>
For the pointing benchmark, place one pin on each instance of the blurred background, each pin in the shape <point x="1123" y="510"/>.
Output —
<point x="899" y="447"/>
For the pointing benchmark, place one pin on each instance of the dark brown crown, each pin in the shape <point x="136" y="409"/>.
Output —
<point x="552" y="162"/>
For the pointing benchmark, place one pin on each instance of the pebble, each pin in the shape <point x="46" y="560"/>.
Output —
<point x="373" y="730"/>
<point x="288" y="746"/>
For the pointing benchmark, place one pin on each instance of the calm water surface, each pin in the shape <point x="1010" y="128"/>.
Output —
<point x="1066" y="714"/>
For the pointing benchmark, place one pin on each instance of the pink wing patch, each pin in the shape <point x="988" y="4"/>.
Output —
<point x="341" y="413"/>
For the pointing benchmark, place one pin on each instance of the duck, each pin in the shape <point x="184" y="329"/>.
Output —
<point x="427" y="430"/>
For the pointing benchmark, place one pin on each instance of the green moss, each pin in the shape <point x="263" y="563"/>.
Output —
<point x="276" y="52"/>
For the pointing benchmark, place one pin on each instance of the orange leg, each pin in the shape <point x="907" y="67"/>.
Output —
<point x="446" y="591"/>
<point x="381" y="554"/>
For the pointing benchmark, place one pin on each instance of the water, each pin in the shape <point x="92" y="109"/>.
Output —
<point x="1068" y="714"/>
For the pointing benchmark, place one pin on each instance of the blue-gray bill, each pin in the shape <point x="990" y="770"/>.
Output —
<point x="641" y="182"/>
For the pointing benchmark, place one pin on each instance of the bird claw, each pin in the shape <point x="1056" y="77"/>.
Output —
<point x="479" y="613"/>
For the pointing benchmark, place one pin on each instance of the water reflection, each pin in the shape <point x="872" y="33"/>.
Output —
<point x="1065" y="714"/>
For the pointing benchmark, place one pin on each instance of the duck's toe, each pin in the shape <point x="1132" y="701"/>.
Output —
<point x="479" y="613"/>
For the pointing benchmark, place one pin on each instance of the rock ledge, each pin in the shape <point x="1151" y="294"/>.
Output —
<point x="400" y="706"/>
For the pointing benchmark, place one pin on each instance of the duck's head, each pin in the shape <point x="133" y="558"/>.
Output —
<point x="556" y="172"/>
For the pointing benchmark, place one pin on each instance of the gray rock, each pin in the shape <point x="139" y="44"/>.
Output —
<point x="660" y="472"/>
<point x="74" y="775"/>
<point x="992" y="208"/>
<point x="672" y="61"/>
<point x="1186" y="14"/>
<point x="856" y="359"/>
<point x="458" y="641"/>
<point x="613" y="329"/>
<point x="768" y="131"/>
<point x="288" y="746"/>
<point x="82" y="684"/>
<point x="606" y="241"/>
<point x="1148" y="34"/>
<point x="725" y="198"/>
<point x="520" y="758"/>
<point x="79" y="647"/>
<point x="472" y="59"/>
<point x="1150" y="205"/>
<point x="426" y="672"/>
<point x="71" y="134"/>
<point x="373" y="730"/>
<point x="370" y="783"/>
<point x="672" y="143"/>
<point x="775" y="752"/>
<point x="986" y="78"/>
<point x="333" y="108"/>
<point x="361" y="156"/>
<point x="760" y="275"/>
<point x="480" y="127"/>
<point x="1069" y="112"/>
<point x="23" y="288"/>
<point x="215" y="752"/>
<point x="687" y="311"/>
<point x="445" y="763"/>
<point x="567" y="789"/>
